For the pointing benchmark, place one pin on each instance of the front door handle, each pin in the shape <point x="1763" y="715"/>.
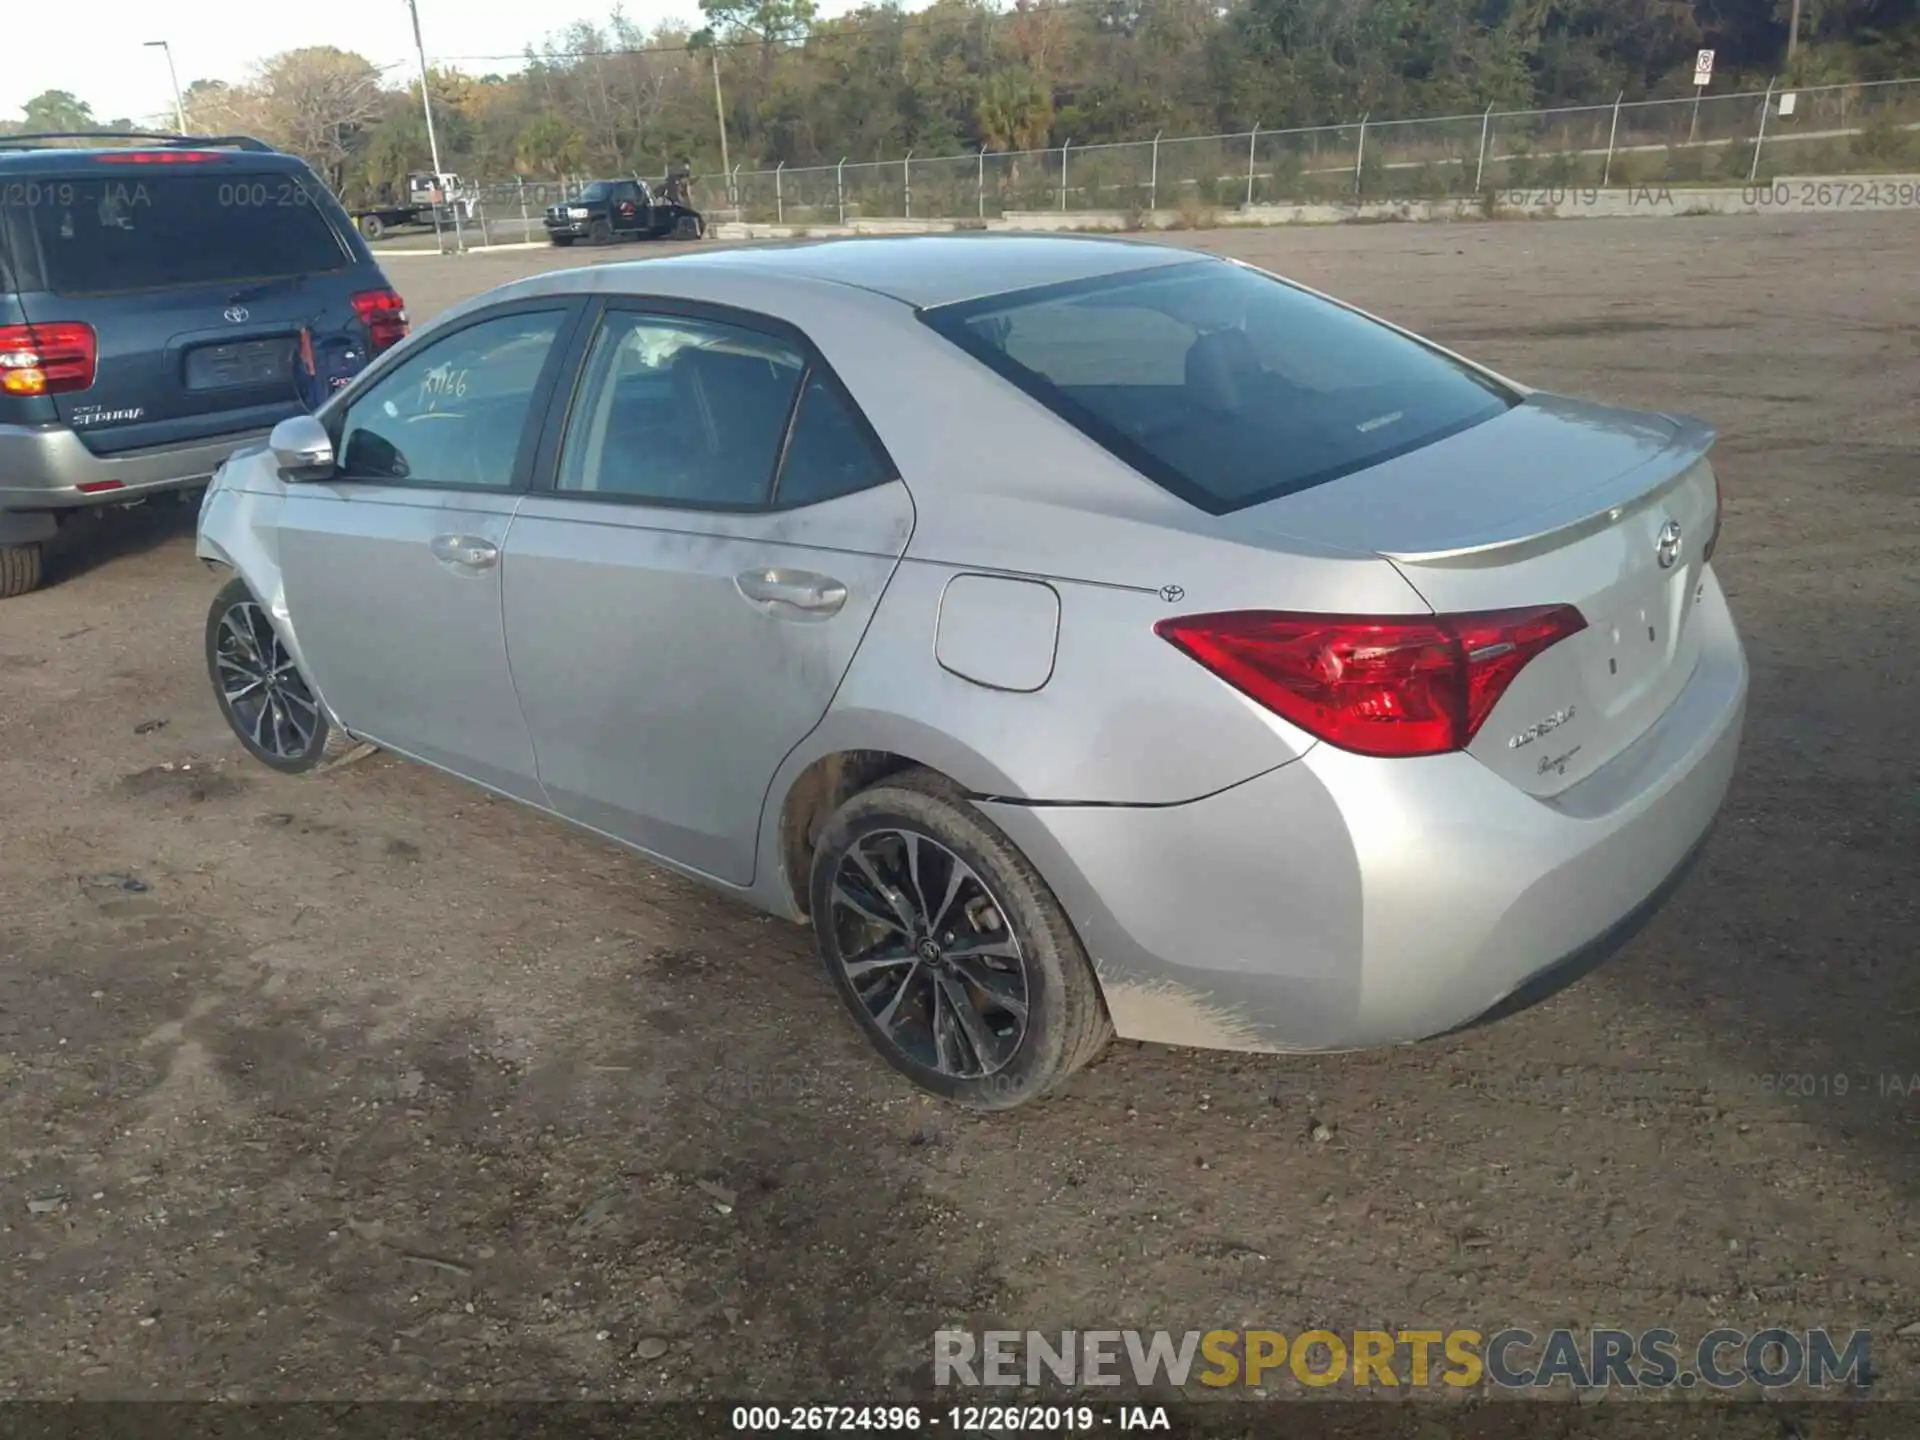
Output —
<point x="466" y="552"/>
<point x="796" y="593"/>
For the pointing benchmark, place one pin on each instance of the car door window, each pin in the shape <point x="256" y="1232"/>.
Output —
<point x="830" y="452"/>
<point x="454" y="413"/>
<point x="680" y="412"/>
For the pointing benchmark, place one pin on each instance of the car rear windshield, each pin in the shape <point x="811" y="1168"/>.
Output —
<point x="129" y="228"/>
<point x="1224" y="384"/>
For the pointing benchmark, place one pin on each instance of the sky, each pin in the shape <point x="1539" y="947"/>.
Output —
<point x="95" y="50"/>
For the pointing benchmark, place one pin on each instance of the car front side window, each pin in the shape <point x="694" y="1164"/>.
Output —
<point x="454" y="413"/>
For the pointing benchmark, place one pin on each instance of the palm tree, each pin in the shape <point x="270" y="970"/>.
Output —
<point x="1014" y="112"/>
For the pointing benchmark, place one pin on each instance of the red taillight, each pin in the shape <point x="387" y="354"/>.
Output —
<point x="1375" y="685"/>
<point x="384" y="314"/>
<point x="1713" y="537"/>
<point x="100" y="487"/>
<point x="55" y="358"/>
<point x="156" y="157"/>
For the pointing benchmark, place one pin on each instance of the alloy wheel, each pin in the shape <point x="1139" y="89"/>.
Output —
<point x="261" y="686"/>
<point x="925" y="945"/>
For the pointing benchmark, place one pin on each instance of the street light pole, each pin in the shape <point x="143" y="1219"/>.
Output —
<point x="426" y="101"/>
<point x="179" y="110"/>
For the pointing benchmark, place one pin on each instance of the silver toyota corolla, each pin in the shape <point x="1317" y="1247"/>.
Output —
<point x="1083" y="636"/>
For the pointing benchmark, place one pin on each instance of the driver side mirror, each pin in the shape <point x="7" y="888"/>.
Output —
<point x="302" y="448"/>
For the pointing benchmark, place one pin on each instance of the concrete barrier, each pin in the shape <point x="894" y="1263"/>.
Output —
<point x="1786" y="195"/>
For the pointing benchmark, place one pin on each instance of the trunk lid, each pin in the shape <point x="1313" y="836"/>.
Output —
<point x="1554" y="502"/>
<point x="197" y="283"/>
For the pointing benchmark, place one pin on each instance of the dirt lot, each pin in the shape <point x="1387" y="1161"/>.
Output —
<point x="385" y="1089"/>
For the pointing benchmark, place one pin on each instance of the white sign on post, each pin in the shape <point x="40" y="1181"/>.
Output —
<point x="1703" y="67"/>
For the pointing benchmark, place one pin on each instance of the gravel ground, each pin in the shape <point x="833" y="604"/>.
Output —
<point x="381" y="1088"/>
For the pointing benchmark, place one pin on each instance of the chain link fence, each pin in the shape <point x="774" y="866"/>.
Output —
<point x="1706" y="140"/>
<point x="1732" y="140"/>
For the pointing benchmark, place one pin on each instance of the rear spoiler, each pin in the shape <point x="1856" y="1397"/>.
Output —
<point x="142" y="139"/>
<point x="1591" y="510"/>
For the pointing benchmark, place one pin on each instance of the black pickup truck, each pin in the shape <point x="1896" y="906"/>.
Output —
<point x="607" y="210"/>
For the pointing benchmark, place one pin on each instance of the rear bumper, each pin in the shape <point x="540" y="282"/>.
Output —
<point x="44" y="467"/>
<point x="1341" y="902"/>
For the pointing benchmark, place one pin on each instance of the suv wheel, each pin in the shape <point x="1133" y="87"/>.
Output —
<point x="689" y="227"/>
<point x="20" y="570"/>
<point x="262" y="694"/>
<point x="600" y="233"/>
<point x="949" y="949"/>
<point x="372" y="226"/>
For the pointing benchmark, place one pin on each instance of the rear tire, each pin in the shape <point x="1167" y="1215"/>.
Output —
<point x="21" y="569"/>
<point x="958" y="924"/>
<point x="372" y="226"/>
<point x="264" y="698"/>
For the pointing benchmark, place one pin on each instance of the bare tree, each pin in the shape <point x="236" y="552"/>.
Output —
<point x="315" y="103"/>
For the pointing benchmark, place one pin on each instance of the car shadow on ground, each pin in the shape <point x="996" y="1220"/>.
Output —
<point x="95" y="539"/>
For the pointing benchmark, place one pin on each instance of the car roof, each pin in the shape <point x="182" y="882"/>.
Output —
<point x="919" y="270"/>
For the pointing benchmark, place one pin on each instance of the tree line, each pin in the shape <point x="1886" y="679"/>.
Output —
<point x="960" y="75"/>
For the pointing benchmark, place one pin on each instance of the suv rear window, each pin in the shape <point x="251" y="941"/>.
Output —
<point x="127" y="230"/>
<point x="1225" y="385"/>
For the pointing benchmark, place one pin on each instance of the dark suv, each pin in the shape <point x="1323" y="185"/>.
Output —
<point x="154" y="291"/>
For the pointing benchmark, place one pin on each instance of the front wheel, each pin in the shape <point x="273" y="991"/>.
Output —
<point x="949" y="949"/>
<point x="261" y="692"/>
<point x="600" y="233"/>
<point x="689" y="227"/>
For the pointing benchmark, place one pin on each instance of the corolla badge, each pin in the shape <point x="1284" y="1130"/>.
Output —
<point x="1666" y="548"/>
<point x="236" y="313"/>
<point x="1535" y="731"/>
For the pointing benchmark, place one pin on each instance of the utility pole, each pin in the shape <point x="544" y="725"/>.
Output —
<point x="426" y="100"/>
<point x="720" y="114"/>
<point x="1793" y="31"/>
<point x="179" y="110"/>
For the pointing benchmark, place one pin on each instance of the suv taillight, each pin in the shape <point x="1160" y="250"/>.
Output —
<point x="1377" y="686"/>
<point x="156" y="157"/>
<point x="55" y="358"/>
<point x="384" y="314"/>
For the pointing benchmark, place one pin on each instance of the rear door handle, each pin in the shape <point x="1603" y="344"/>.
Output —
<point x="797" y="593"/>
<point x="466" y="552"/>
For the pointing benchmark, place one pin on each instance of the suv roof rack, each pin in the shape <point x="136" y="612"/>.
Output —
<point x="144" y="139"/>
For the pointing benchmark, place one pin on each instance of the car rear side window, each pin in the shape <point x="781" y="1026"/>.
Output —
<point x="1225" y="385"/>
<point x="680" y="412"/>
<point x="133" y="228"/>
<point x="829" y="452"/>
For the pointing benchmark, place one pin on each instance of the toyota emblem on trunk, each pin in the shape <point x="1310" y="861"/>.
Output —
<point x="1667" y="548"/>
<point x="236" y="313"/>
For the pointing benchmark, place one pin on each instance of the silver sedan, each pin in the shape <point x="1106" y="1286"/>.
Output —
<point x="1082" y="636"/>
